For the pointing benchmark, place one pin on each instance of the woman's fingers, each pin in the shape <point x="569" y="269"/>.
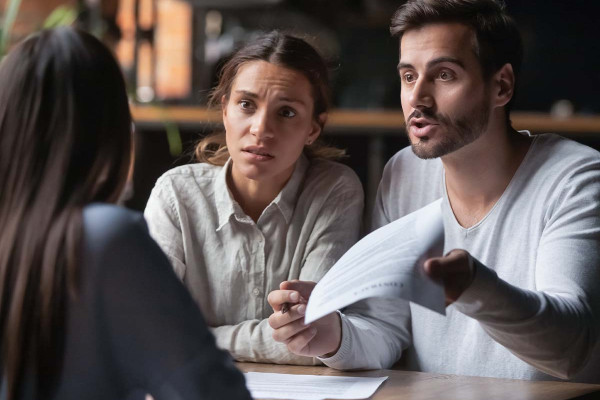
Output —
<point x="277" y="298"/>
<point x="300" y="343"/>
<point x="285" y="332"/>
<point x="279" y="319"/>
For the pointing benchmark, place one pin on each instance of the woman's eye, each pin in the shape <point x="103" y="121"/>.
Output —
<point x="245" y="104"/>
<point x="288" y="113"/>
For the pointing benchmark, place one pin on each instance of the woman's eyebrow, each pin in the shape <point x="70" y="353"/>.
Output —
<point x="292" y="100"/>
<point x="246" y="93"/>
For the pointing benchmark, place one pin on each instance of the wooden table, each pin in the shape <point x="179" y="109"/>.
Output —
<point x="422" y="386"/>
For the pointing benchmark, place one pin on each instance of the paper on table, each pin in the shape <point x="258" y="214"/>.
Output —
<point x="310" y="387"/>
<point x="386" y="263"/>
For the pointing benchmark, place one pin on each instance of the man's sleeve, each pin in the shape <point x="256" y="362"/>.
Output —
<point x="554" y="328"/>
<point x="375" y="331"/>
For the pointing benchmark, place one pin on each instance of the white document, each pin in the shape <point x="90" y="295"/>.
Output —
<point x="386" y="263"/>
<point x="310" y="387"/>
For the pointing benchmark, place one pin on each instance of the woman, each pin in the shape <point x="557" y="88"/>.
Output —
<point x="89" y="306"/>
<point x="264" y="205"/>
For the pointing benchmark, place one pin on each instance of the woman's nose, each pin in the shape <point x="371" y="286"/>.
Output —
<point x="261" y="126"/>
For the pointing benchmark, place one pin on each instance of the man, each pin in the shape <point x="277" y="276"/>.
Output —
<point x="525" y="210"/>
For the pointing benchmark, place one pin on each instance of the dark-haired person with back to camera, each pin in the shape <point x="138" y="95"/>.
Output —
<point x="521" y="217"/>
<point x="266" y="203"/>
<point x="89" y="306"/>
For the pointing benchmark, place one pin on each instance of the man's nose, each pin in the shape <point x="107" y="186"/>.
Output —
<point x="421" y="95"/>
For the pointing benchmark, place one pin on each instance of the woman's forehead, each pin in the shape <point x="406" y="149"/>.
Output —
<point x="263" y="78"/>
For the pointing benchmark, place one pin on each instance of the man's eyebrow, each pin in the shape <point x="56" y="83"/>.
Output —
<point x="402" y="65"/>
<point x="440" y="60"/>
<point x="434" y="62"/>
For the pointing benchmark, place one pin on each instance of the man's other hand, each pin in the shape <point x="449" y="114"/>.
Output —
<point x="455" y="271"/>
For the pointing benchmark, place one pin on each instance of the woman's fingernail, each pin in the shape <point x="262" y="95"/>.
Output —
<point x="294" y="296"/>
<point x="302" y="309"/>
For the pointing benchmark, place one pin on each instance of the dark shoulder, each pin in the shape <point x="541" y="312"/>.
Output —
<point x="105" y="224"/>
<point x="116" y="240"/>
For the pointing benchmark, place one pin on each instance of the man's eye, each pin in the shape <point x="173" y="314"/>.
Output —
<point x="408" y="77"/>
<point x="288" y="113"/>
<point x="445" y="76"/>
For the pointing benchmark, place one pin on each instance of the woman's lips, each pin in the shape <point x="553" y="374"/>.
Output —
<point x="258" y="154"/>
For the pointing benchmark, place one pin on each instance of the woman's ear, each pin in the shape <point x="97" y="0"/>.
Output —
<point x="317" y="126"/>
<point x="224" y="105"/>
<point x="503" y="85"/>
<point x="224" y="101"/>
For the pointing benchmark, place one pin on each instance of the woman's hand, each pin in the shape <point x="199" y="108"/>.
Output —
<point x="320" y="338"/>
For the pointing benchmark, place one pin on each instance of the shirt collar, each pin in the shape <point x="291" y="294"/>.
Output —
<point x="285" y="201"/>
<point x="226" y="206"/>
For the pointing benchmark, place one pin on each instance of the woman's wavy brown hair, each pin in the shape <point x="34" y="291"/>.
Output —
<point x="65" y="141"/>
<point x="279" y="49"/>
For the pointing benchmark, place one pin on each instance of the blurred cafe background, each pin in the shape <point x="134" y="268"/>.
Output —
<point x="171" y="50"/>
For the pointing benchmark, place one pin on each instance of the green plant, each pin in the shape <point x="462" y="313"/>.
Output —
<point x="66" y="15"/>
<point x="61" y="16"/>
<point x="6" y="23"/>
<point x="173" y="134"/>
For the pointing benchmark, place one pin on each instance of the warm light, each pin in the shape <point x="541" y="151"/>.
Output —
<point x="170" y="77"/>
<point x="173" y="45"/>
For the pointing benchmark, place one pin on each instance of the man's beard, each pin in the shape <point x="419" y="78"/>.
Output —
<point x="459" y="132"/>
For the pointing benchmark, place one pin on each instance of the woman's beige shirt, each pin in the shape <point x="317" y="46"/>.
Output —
<point x="230" y="263"/>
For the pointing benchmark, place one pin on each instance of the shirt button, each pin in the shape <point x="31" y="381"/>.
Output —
<point x="256" y="292"/>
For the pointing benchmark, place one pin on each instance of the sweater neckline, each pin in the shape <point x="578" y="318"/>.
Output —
<point x="516" y="178"/>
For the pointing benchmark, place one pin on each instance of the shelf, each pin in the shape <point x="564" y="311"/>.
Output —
<point x="367" y="120"/>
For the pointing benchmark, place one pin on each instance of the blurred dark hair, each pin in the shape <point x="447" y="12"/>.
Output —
<point x="65" y="141"/>
<point x="280" y="49"/>
<point x="498" y="41"/>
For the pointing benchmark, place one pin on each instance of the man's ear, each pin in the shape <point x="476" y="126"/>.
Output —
<point x="503" y="85"/>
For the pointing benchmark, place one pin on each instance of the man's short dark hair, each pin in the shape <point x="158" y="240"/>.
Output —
<point x="498" y="39"/>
